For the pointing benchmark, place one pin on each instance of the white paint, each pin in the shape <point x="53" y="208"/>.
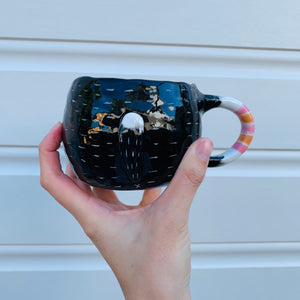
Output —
<point x="133" y="121"/>
<point x="213" y="23"/>
<point x="17" y="161"/>
<point x="260" y="79"/>
<point x="85" y="257"/>
<point x="248" y="200"/>
<point x="147" y="60"/>
<point x="230" y="103"/>
<point x="230" y="155"/>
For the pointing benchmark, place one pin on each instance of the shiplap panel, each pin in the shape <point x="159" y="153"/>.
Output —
<point x="29" y="215"/>
<point x="218" y="284"/>
<point x="248" y="23"/>
<point x="246" y="284"/>
<point x="232" y="205"/>
<point x="246" y="209"/>
<point x="15" y="161"/>
<point x="204" y="256"/>
<point x="60" y="285"/>
<point x="37" y="77"/>
<point x="33" y="102"/>
<point x="232" y="271"/>
<point x="133" y="59"/>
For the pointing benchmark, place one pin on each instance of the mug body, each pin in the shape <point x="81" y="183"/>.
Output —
<point x="129" y="134"/>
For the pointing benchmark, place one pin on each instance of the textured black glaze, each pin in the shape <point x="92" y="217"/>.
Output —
<point x="104" y="155"/>
<point x="215" y="161"/>
<point x="208" y="103"/>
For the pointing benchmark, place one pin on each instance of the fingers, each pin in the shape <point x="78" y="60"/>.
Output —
<point x="149" y="196"/>
<point x="59" y="185"/>
<point x="106" y="195"/>
<point x="85" y="187"/>
<point x="181" y="190"/>
<point x="49" y="157"/>
<point x="70" y="172"/>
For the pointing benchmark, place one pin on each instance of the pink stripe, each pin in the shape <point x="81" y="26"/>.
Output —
<point x="240" y="147"/>
<point x="248" y="129"/>
<point x="244" y="109"/>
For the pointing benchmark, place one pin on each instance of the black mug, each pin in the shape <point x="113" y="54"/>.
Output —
<point x="130" y="134"/>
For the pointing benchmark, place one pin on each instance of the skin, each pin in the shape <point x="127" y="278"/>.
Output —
<point x="147" y="246"/>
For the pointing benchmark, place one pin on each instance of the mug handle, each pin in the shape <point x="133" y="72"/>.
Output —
<point x="247" y="127"/>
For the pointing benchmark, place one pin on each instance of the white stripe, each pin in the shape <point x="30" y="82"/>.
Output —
<point x="230" y="155"/>
<point x="230" y="103"/>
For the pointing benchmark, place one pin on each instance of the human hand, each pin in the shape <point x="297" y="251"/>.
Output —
<point x="147" y="246"/>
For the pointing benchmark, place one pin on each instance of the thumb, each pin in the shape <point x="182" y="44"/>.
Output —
<point x="189" y="175"/>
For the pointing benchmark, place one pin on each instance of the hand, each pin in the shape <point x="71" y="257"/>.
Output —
<point x="147" y="246"/>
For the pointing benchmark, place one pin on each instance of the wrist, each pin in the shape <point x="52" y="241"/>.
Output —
<point x="154" y="293"/>
<point x="153" y="289"/>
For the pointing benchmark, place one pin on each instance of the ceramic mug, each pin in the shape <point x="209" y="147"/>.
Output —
<point x="132" y="134"/>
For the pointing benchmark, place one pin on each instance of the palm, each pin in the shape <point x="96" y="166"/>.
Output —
<point x="108" y="198"/>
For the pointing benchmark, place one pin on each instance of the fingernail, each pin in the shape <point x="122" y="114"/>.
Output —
<point x="204" y="148"/>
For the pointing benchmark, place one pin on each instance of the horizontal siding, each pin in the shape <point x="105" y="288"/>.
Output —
<point x="246" y="283"/>
<point x="85" y="257"/>
<point x="60" y="285"/>
<point x="255" y="271"/>
<point x="244" y="221"/>
<point x="252" y="200"/>
<point x="37" y="77"/>
<point x="213" y="284"/>
<point x="245" y="226"/>
<point x="17" y="161"/>
<point x="220" y="212"/>
<point x="250" y="23"/>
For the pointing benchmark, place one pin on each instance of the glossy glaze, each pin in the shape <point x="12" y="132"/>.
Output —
<point x="106" y="151"/>
<point x="132" y="134"/>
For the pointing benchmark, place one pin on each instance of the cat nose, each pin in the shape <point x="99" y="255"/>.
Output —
<point x="130" y="141"/>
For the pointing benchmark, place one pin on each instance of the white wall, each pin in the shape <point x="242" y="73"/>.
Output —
<point x="245" y="225"/>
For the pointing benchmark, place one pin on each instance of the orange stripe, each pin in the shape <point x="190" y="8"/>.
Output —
<point x="246" y="139"/>
<point x="246" y="118"/>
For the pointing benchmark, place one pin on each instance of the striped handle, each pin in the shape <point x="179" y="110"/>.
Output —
<point x="247" y="128"/>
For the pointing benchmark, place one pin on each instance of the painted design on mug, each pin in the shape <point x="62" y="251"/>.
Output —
<point x="129" y="134"/>
<point x="247" y="130"/>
